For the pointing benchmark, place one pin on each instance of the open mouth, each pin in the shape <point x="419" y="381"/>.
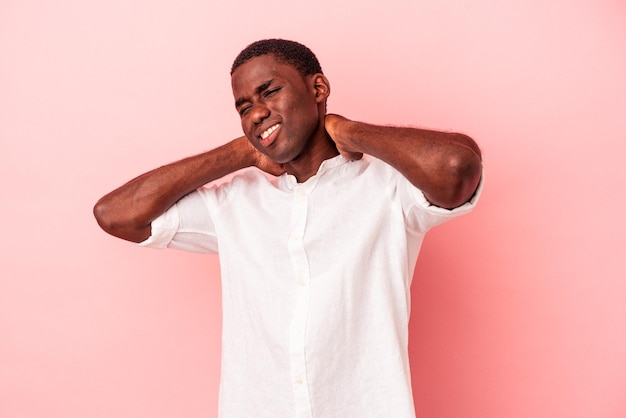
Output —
<point x="268" y="136"/>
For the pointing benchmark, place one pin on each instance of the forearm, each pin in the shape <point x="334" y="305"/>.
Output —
<point x="128" y="211"/>
<point x="445" y="166"/>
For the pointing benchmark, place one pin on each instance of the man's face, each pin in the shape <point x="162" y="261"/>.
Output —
<point x="278" y="107"/>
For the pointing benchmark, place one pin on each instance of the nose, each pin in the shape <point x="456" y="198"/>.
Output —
<point x="259" y="113"/>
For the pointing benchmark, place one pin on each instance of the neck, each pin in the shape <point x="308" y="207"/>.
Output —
<point x="308" y="163"/>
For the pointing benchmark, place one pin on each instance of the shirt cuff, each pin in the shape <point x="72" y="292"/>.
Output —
<point x="163" y="229"/>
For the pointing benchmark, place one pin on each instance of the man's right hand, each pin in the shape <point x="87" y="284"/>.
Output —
<point x="269" y="166"/>
<point x="263" y="162"/>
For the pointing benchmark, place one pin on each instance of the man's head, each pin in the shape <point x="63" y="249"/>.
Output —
<point x="280" y="95"/>
<point x="287" y="52"/>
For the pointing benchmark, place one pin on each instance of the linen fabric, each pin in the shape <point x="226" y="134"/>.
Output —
<point x="315" y="286"/>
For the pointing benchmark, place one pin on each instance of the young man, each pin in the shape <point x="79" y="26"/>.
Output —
<point x="316" y="262"/>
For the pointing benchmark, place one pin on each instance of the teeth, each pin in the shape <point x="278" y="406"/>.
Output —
<point x="269" y="131"/>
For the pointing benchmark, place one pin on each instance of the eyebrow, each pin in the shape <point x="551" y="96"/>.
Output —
<point x="259" y="89"/>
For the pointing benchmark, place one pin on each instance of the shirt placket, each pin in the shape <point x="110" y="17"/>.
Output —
<point x="299" y="261"/>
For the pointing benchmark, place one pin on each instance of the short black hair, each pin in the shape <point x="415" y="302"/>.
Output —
<point x="287" y="52"/>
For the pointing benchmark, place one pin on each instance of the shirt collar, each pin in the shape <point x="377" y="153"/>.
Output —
<point x="289" y="181"/>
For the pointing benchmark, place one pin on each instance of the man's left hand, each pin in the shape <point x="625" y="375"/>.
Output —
<point x="336" y="128"/>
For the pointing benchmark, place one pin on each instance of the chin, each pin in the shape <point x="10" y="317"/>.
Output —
<point x="284" y="155"/>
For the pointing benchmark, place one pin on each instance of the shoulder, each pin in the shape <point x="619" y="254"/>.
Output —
<point x="239" y="185"/>
<point x="381" y="171"/>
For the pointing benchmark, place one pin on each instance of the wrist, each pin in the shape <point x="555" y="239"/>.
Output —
<point x="347" y="135"/>
<point x="245" y="152"/>
<point x="338" y="128"/>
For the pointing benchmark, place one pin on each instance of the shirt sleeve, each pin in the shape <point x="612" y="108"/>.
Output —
<point x="188" y="226"/>
<point x="423" y="215"/>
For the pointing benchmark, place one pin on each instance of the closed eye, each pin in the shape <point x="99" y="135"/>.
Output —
<point x="271" y="91"/>
<point x="242" y="110"/>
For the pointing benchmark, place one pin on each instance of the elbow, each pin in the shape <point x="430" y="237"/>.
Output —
<point x="103" y="213"/>
<point x="465" y="177"/>
<point x="125" y="228"/>
<point x="463" y="172"/>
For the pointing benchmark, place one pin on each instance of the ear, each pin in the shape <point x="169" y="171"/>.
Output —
<point x="321" y="87"/>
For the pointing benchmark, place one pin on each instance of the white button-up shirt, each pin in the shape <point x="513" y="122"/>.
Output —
<point x="315" y="286"/>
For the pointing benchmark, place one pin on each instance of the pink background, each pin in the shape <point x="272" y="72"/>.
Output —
<point x="518" y="308"/>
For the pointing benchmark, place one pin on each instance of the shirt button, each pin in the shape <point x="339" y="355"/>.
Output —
<point x="299" y="380"/>
<point x="303" y="283"/>
<point x="298" y="330"/>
